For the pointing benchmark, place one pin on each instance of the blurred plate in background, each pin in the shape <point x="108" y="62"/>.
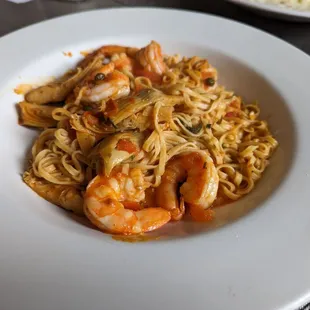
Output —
<point x="273" y="10"/>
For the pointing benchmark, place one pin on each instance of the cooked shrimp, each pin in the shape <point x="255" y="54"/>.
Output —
<point x="151" y="58"/>
<point x="106" y="83"/>
<point x="114" y="204"/>
<point x="108" y="51"/>
<point x="199" y="189"/>
<point x="105" y="70"/>
<point x="122" y="62"/>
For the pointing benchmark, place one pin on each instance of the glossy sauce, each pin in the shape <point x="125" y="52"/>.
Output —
<point x="133" y="239"/>
<point x="22" y="89"/>
<point x="68" y="54"/>
<point x="221" y="201"/>
<point x="85" y="53"/>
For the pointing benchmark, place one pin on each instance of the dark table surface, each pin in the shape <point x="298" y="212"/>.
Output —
<point x="14" y="16"/>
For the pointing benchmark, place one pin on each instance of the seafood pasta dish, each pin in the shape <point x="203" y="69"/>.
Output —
<point x="133" y="139"/>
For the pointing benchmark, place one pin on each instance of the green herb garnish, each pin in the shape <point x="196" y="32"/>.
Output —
<point x="195" y="129"/>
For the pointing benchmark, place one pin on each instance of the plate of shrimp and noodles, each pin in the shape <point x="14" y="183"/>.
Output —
<point x="153" y="159"/>
<point x="134" y="138"/>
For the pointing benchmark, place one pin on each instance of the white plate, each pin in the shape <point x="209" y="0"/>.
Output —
<point x="256" y="260"/>
<point x="272" y="10"/>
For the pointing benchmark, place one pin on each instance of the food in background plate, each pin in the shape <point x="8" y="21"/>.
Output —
<point x="303" y="5"/>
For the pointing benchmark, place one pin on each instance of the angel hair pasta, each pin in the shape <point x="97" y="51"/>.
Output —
<point x="133" y="139"/>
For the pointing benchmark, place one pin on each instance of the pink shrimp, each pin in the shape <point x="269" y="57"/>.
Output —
<point x="115" y="204"/>
<point x="151" y="58"/>
<point x="106" y="83"/>
<point x="199" y="189"/>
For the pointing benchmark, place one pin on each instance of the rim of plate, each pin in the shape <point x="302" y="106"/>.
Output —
<point x="274" y="8"/>
<point x="258" y="216"/>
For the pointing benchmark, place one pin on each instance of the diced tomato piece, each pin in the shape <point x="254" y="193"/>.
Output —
<point x="111" y="108"/>
<point x="230" y="114"/>
<point x="91" y="119"/>
<point x="127" y="146"/>
<point x="205" y="75"/>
